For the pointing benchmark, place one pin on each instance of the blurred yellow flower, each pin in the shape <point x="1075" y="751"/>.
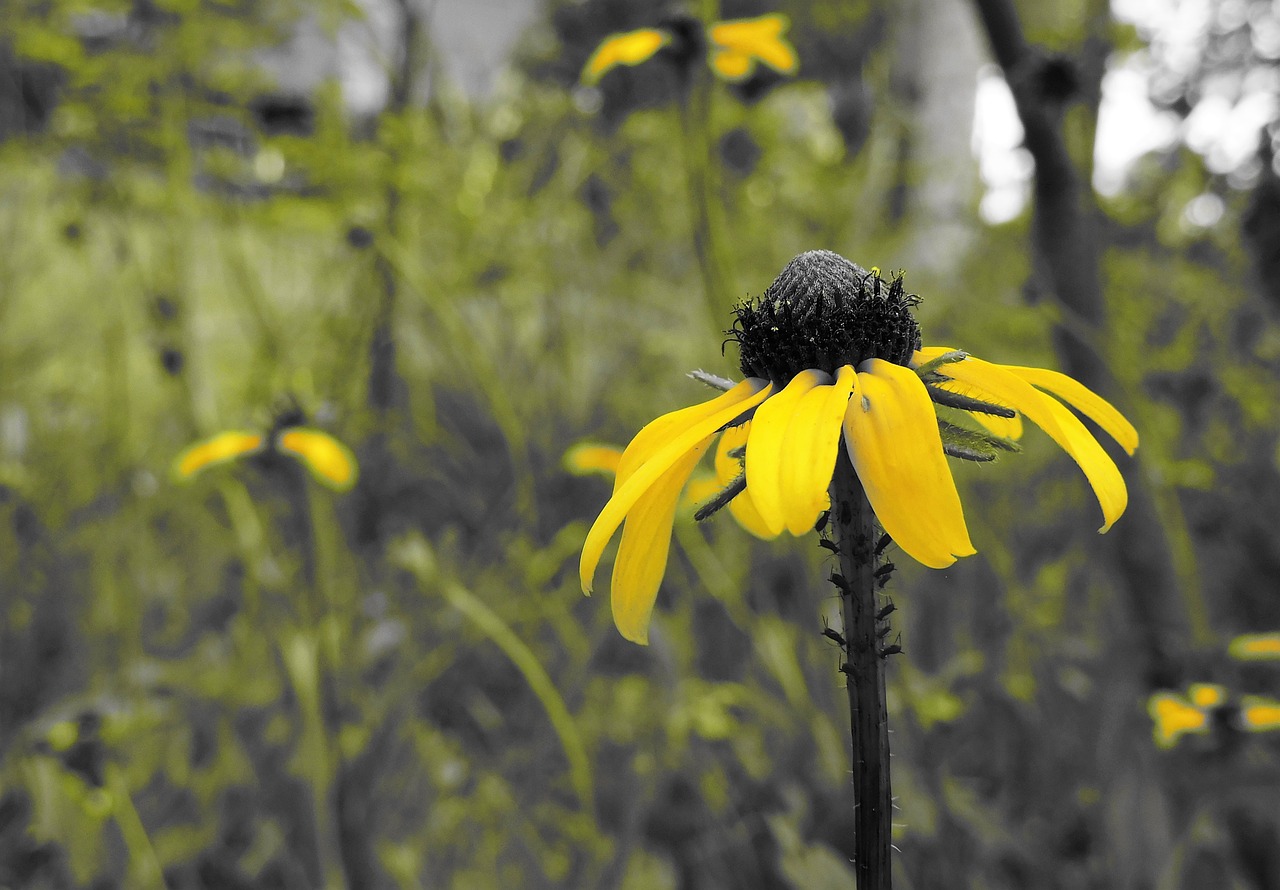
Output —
<point x="733" y="51"/>
<point x="630" y="48"/>
<point x="860" y="378"/>
<point x="1206" y="706"/>
<point x="588" y="457"/>
<point x="1173" y="717"/>
<point x="737" y="45"/>
<point x="328" y="460"/>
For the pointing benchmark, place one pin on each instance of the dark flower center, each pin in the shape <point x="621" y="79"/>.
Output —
<point x="824" y="312"/>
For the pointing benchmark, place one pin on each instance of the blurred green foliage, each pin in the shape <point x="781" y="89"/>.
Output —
<point x="248" y="681"/>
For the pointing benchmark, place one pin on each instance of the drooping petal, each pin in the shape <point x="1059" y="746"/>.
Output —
<point x="744" y="510"/>
<point x="812" y="442"/>
<point x="1004" y="427"/>
<point x="766" y="454"/>
<point x="645" y="545"/>
<point x="702" y="487"/>
<point x="586" y="457"/>
<point x="330" y="462"/>
<point x="1055" y="419"/>
<point x="662" y="456"/>
<point x="630" y="48"/>
<point x="728" y="464"/>
<point x="1084" y="400"/>
<point x="742" y="507"/>
<point x="215" y="450"/>
<point x="658" y="432"/>
<point x="892" y="435"/>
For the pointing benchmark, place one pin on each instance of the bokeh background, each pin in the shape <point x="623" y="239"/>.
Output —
<point x="409" y="223"/>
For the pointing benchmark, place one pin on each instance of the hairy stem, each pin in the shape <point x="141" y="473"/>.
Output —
<point x="855" y="537"/>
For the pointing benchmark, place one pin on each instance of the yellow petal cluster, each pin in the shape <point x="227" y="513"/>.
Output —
<point x="1172" y="717"/>
<point x="883" y="415"/>
<point x="328" y="460"/>
<point x="734" y="48"/>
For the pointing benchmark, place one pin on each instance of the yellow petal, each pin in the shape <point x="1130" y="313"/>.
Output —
<point x="658" y="432"/>
<point x="1173" y="718"/>
<point x="892" y="435"/>
<point x="645" y="545"/>
<point x="329" y="461"/>
<point x="1255" y="647"/>
<point x="1258" y="714"/>
<point x="585" y="458"/>
<point x="812" y="441"/>
<point x="1004" y="427"/>
<point x="1053" y="417"/>
<point x="677" y="445"/>
<point x="701" y="488"/>
<point x="215" y="450"/>
<point x="1206" y="695"/>
<point x="766" y="454"/>
<point x="630" y="48"/>
<point x="731" y="64"/>
<point x="729" y="466"/>
<point x="733" y="32"/>
<point x="742" y="507"/>
<point x="1084" y="400"/>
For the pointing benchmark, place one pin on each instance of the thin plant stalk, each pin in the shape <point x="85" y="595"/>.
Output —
<point x="865" y="652"/>
<point x="708" y="239"/>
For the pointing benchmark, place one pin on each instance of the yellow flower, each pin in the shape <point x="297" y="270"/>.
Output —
<point x="1173" y="717"/>
<point x="733" y="48"/>
<point x="329" y="461"/>
<point x="831" y="356"/>
<point x="736" y="46"/>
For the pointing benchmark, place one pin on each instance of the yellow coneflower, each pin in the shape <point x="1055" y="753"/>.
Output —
<point x="734" y="48"/>
<point x="831" y="353"/>
<point x="328" y="460"/>
<point x="1173" y="716"/>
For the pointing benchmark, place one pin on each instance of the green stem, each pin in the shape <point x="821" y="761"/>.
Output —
<point x="855" y="536"/>
<point x="145" y="868"/>
<point x="708" y="240"/>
